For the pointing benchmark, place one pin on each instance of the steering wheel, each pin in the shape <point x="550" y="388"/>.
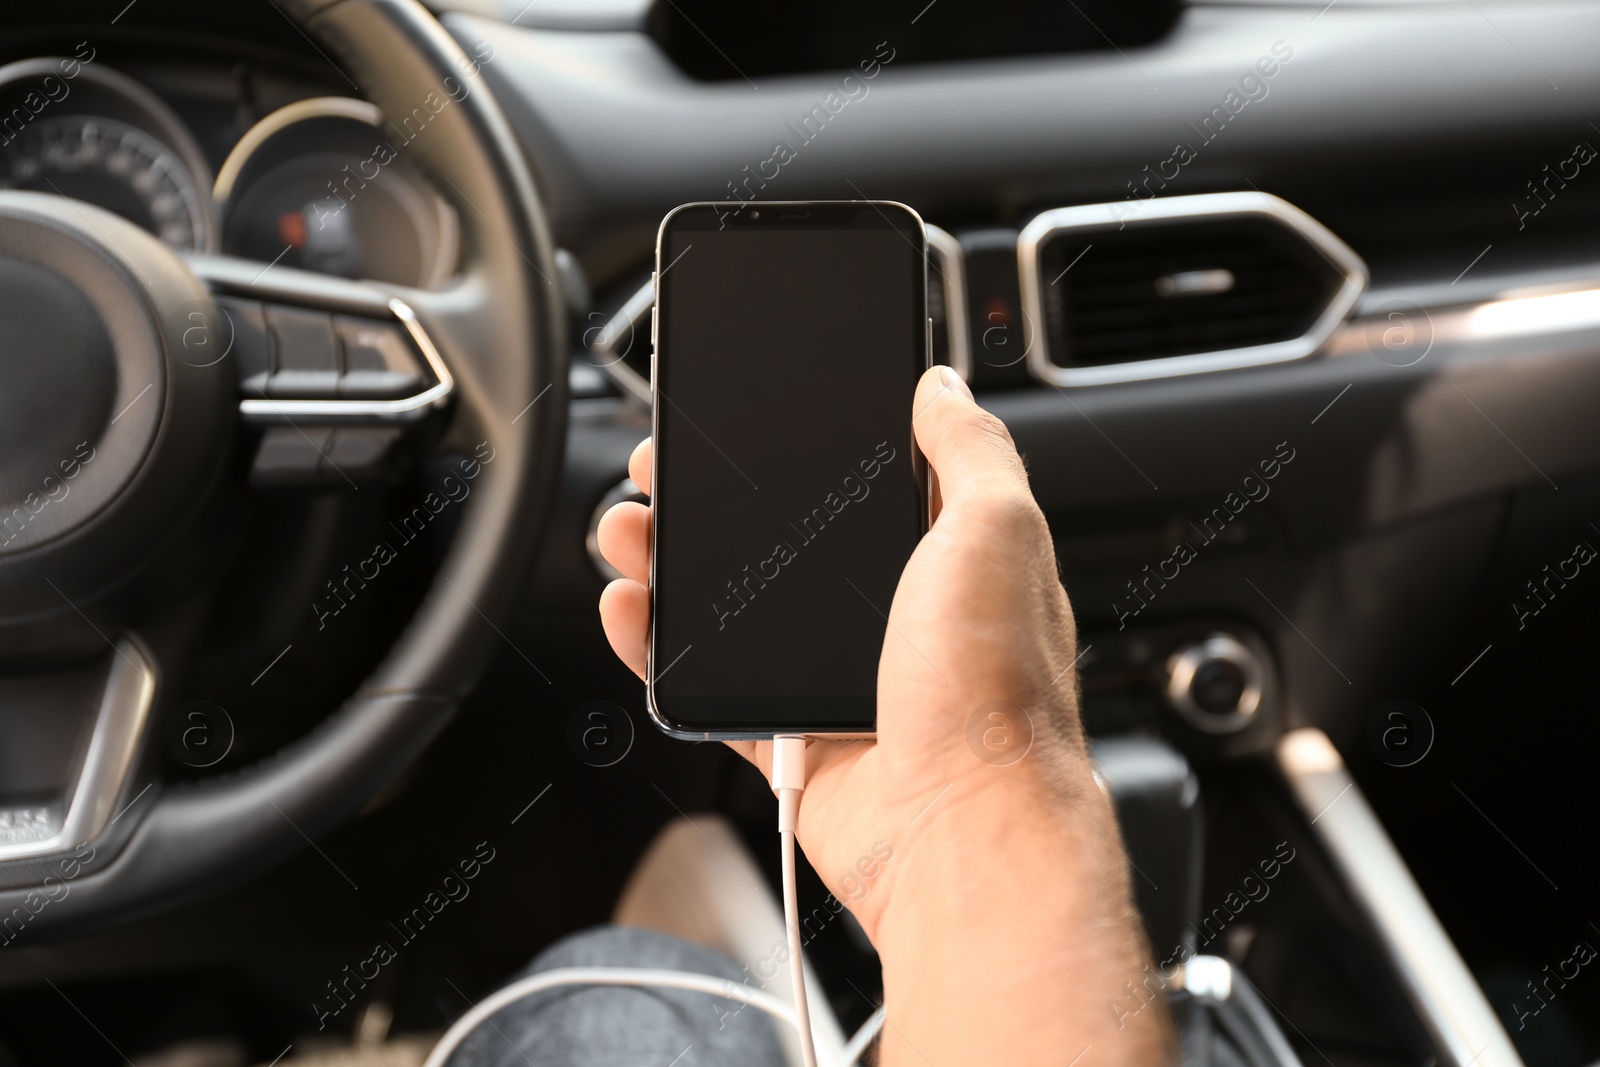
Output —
<point x="120" y="451"/>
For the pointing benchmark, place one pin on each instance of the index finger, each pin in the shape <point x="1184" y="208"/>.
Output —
<point x="639" y="466"/>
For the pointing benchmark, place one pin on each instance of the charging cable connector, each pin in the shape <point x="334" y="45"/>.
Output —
<point x="788" y="780"/>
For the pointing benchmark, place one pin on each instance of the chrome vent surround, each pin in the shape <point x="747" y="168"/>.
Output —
<point x="1136" y="290"/>
<point x="947" y="301"/>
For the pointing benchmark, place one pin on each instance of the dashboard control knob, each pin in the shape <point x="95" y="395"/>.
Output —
<point x="1215" y="684"/>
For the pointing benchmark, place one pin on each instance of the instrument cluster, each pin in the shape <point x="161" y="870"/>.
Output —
<point x="317" y="184"/>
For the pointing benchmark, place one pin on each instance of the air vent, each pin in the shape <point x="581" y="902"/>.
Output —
<point x="1181" y="285"/>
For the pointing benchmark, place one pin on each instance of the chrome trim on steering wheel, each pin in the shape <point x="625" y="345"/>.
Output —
<point x="120" y="721"/>
<point x="266" y="409"/>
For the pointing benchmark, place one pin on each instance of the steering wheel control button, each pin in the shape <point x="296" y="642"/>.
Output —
<point x="290" y="455"/>
<point x="379" y="361"/>
<point x="1215" y="684"/>
<point x="334" y="457"/>
<point x="308" y="354"/>
<point x="357" y="452"/>
<point x="252" y="344"/>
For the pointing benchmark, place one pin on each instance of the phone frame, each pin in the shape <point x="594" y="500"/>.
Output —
<point x="922" y="473"/>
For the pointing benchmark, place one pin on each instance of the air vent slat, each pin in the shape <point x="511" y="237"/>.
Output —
<point x="1095" y="311"/>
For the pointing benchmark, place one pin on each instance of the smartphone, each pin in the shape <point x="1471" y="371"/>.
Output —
<point x="787" y="491"/>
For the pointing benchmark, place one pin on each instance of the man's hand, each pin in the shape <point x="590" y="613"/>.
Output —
<point x="969" y="837"/>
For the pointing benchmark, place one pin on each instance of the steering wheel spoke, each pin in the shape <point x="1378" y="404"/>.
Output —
<point x="332" y="371"/>
<point x="87" y="726"/>
<point x="317" y="348"/>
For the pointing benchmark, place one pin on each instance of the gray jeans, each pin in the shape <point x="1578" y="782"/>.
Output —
<point x="623" y="1026"/>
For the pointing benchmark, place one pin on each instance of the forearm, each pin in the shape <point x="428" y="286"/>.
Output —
<point x="1018" y="941"/>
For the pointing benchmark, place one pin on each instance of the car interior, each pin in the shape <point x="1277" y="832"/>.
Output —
<point x="325" y="340"/>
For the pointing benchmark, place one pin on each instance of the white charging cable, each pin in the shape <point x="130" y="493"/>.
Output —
<point x="788" y="782"/>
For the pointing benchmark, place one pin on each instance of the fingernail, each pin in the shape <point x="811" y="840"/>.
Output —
<point x="952" y="381"/>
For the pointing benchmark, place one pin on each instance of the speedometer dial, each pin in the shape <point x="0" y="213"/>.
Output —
<point x="82" y="130"/>
<point x="114" y="165"/>
<point x="317" y="185"/>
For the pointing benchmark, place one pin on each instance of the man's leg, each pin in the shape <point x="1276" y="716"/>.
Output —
<point x="620" y="1026"/>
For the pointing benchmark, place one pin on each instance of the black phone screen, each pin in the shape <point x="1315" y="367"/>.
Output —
<point x="787" y="486"/>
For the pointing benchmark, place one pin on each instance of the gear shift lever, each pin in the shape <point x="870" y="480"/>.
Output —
<point x="1157" y="799"/>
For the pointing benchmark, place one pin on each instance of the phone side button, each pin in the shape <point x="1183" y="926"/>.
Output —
<point x="653" y="329"/>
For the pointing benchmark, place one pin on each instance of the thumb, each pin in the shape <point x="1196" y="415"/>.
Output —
<point x="970" y="450"/>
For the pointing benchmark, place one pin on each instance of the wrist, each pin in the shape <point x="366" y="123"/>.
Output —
<point x="1028" y="835"/>
<point x="1010" y="930"/>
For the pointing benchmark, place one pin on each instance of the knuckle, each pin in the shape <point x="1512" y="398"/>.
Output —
<point x="1015" y="512"/>
<point x="986" y="430"/>
<point x="982" y="436"/>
